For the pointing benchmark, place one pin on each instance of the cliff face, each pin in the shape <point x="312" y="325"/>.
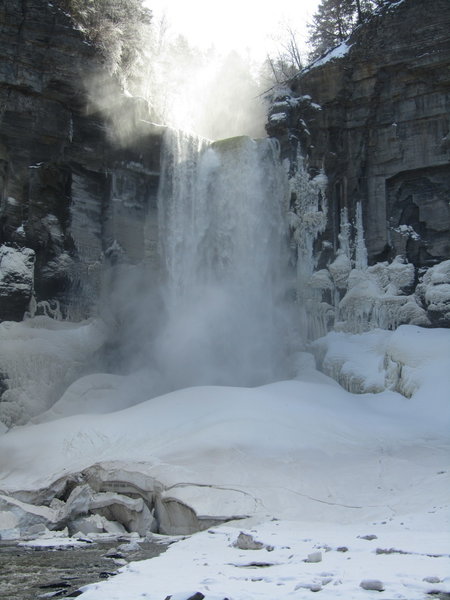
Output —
<point x="375" y="115"/>
<point x="68" y="190"/>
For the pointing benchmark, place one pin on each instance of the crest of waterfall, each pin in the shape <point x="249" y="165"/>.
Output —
<point x="223" y="247"/>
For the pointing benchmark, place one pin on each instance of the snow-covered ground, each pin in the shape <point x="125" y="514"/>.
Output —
<point x="361" y="478"/>
<point x="387" y="556"/>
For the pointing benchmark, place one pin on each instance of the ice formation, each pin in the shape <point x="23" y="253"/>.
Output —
<point x="39" y="358"/>
<point x="356" y="297"/>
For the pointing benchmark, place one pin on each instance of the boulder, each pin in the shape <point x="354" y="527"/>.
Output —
<point x="16" y="281"/>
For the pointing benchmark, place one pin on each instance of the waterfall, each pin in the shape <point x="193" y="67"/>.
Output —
<point x="223" y="248"/>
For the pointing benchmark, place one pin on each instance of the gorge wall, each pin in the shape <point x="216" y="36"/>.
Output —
<point x="73" y="192"/>
<point x="373" y="115"/>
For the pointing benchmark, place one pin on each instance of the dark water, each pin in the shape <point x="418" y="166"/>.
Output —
<point x="38" y="573"/>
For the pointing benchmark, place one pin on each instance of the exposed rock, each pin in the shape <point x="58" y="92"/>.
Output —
<point x="376" y="116"/>
<point x="372" y="115"/>
<point x="69" y="186"/>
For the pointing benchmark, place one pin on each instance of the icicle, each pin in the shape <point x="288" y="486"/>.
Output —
<point x="360" y="245"/>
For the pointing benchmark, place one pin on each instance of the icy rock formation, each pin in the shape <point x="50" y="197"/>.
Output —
<point x="375" y="298"/>
<point x="434" y="292"/>
<point x="111" y="498"/>
<point x="16" y="281"/>
<point x="39" y="358"/>
<point x="357" y="297"/>
<point x="380" y="359"/>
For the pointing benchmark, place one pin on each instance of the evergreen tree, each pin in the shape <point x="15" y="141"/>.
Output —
<point x="118" y="28"/>
<point x="335" y="20"/>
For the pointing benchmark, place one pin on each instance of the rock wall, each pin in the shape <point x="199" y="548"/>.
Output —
<point x="70" y="189"/>
<point x="374" y="114"/>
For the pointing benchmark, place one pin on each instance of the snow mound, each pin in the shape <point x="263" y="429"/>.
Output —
<point x="411" y="360"/>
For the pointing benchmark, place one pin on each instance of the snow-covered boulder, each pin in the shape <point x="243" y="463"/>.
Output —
<point x="434" y="291"/>
<point x="16" y="281"/>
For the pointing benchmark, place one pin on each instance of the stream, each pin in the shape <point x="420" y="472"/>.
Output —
<point x="31" y="573"/>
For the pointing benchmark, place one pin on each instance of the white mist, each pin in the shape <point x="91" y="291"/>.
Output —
<point x="222" y="239"/>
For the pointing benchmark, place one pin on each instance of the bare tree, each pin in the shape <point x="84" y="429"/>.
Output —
<point x="287" y="61"/>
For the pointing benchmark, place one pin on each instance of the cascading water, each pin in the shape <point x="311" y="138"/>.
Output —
<point x="223" y="247"/>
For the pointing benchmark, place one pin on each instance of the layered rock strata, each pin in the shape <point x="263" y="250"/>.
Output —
<point x="373" y="117"/>
<point x="374" y="114"/>
<point x="74" y="181"/>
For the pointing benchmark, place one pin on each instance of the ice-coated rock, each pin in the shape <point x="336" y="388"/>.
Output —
<point x="16" y="515"/>
<point x="313" y="587"/>
<point x="132" y="513"/>
<point x="245" y="541"/>
<point x="434" y="290"/>
<point x="314" y="557"/>
<point x="432" y="579"/>
<point x="16" y="281"/>
<point x="8" y="524"/>
<point x="87" y="525"/>
<point x="372" y="584"/>
<point x="132" y="546"/>
<point x="185" y="509"/>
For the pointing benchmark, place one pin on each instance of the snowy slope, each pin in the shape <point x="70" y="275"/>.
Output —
<point x="340" y="465"/>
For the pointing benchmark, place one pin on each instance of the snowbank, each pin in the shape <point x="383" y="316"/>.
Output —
<point x="411" y="360"/>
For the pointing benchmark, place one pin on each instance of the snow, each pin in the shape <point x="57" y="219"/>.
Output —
<point x="407" y="231"/>
<point x="210" y="563"/>
<point x="278" y="117"/>
<point x="411" y="360"/>
<point x="435" y="288"/>
<point x="334" y="54"/>
<point x="344" y="491"/>
<point x="16" y="269"/>
<point x="54" y="542"/>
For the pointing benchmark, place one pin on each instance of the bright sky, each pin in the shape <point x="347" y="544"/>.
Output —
<point x="236" y="24"/>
